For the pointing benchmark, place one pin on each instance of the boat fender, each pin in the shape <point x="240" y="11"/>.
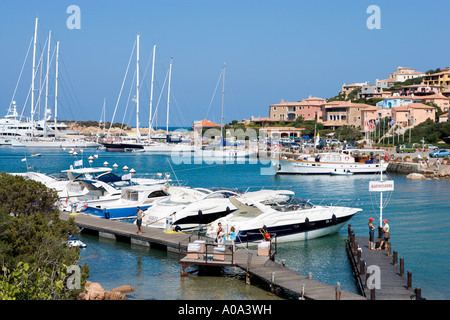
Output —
<point x="200" y="216"/>
<point x="333" y="219"/>
<point x="307" y="222"/>
<point x="107" y="214"/>
<point x="228" y="210"/>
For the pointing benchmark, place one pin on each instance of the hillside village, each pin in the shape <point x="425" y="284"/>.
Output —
<point x="406" y="99"/>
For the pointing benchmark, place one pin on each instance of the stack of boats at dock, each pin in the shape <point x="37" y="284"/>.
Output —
<point x="99" y="192"/>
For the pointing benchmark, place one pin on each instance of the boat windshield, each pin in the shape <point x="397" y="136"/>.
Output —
<point x="221" y="195"/>
<point x="291" y="204"/>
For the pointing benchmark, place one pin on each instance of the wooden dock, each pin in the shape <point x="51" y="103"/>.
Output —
<point x="379" y="273"/>
<point x="279" y="277"/>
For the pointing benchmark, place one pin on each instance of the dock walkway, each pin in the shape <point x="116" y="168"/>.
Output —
<point x="279" y="277"/>
<point x="379" y="273"/>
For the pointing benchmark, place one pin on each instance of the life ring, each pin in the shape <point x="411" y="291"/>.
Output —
<point x="346" y="158"/>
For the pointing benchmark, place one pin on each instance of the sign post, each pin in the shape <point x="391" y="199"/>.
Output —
<point x="380" y="186"/>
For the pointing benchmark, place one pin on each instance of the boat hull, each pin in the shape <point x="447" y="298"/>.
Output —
<point x="295" y="232"/>
<point x="308" y="167"/>
<point x="114" y="213"/>
<point x="122" y="146"/>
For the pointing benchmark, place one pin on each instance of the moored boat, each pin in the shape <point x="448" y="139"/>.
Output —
<point x="330" y="163"/>
<point x="282" y="214"/>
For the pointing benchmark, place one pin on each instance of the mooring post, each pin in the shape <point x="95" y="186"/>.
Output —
<point x="272" y="281"/>
<point x="372" y="294"/>
<point x="395" y="259"/>
<point x="355" y="248"/>
<point x="409" y="281"/>
<point x="418" y="292"/>
<point x="402" y="267"/>
<point x="358" y="254"/>
<point x="362" y="264"/>
<point x="338" y="291"/>
<point x="249" y="260"/>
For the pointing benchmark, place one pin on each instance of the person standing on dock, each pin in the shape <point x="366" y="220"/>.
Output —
<point x="139" y="215"/>
<point x="371" y="234"/>
<point x="385" y="235"/>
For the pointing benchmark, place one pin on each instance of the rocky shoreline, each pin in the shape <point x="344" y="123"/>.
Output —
<point x="94" y="291"/>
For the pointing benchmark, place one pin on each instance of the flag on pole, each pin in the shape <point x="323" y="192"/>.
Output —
<point x="78" y="163"/>
<point x="67" y="198"/>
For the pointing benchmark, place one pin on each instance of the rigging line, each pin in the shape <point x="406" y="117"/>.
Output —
<point x="120" y="93"/>
<point x="35" y="73"/>
<point x="218" y="81"/>
<point x="159" y="99"/>
<point x="128" y="101"/>
<point x="20" y="75"/>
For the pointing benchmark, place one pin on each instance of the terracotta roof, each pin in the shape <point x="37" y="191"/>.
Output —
<point x="433" y="96"/>
<point x="345" y="104"/>
<point x="205" y="123"/>
<point x="419" y="106"/>
<point x="401" y="97"/>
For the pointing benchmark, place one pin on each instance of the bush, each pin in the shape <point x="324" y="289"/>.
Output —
<point x="33" y="242"/>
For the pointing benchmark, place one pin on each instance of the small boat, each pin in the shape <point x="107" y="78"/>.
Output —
<point x="36" y="154"/>
<point x="75" y="242"/>
<point x="280" y="213"/>
<point x="341" y="172"/>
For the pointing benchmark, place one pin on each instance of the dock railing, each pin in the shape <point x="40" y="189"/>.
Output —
<point x="272" y="241"/>
<point x="205" y="251"/>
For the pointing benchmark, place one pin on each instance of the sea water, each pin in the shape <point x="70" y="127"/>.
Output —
<point x="418" y="214"/>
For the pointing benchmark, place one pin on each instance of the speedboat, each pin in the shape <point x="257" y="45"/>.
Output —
<point x="282" y="214"/>
<point x="189" y="215"/>
<point x="162" y="214"/>
<point x="329" y="163"/>
<point x="130" y="198"/>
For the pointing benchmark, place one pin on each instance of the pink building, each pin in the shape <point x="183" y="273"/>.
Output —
<point x="413" y="114"/>
<point x="438" y="99"/>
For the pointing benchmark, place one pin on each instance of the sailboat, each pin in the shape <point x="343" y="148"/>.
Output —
<point x="161" y="147"/>
<point x="41" y="132"/>
<point x="220" y="151"/>
<point x="137" y="145"/>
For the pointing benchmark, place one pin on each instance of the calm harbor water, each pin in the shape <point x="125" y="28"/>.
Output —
<point x="418" y="213"/>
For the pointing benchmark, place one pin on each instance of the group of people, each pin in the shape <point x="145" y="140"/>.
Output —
<point x="384" y="237"/>
<point x="220" y="235"/>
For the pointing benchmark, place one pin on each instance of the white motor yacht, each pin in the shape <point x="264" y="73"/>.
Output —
<point x="280" y="213"/>
<point x="330" y="163"/>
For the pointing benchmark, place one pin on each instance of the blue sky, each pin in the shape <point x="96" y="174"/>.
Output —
<point x="273" y="50"/>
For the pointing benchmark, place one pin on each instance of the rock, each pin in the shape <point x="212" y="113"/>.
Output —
<point x="415" y="176"/>
<point x="94" y="291"/>
<point x="123" y="289"/>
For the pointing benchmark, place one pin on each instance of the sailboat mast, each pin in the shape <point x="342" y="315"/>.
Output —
<point x="56" y="86"/>
<point x="138" y="135"/>
<point x="151" y="95"/>
<point x="33" y="77"/>
<point x="223" y="99"/>
<point x="46" y="83"/>
<point x="168" y="97"/>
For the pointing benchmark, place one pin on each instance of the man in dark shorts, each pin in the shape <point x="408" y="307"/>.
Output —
<point x="139" y="215"/>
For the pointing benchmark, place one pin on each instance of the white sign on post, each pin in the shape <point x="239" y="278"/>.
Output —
<point x="387" y="185"/>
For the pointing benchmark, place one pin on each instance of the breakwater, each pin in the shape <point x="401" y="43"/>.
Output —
<point x="427" y="170"/>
